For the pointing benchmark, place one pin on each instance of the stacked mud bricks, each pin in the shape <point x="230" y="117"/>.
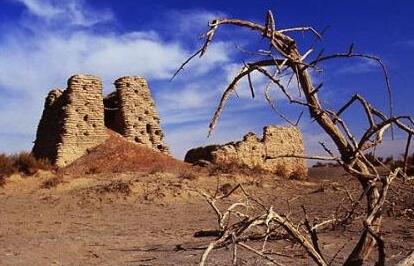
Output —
<point x="75" y="120"/>
<point x="140" y="122"/>
<point x="265" y="153"/>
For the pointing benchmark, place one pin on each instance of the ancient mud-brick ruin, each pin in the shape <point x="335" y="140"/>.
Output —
<point x="131" y="111"/>
<point x="76" y="119"/>
<point x="263" y="153"/>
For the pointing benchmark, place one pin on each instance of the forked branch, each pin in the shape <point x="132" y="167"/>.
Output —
<point x="284" y="58"/>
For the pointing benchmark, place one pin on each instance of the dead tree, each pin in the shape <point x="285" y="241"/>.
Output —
<point x="283" y="58"/>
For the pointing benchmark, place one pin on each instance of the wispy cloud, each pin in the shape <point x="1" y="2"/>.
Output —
<point x="73" y="12"/>
<point x="34" y="63"/>
<point x="359" y="67"/>
<point x="189" y="24"/>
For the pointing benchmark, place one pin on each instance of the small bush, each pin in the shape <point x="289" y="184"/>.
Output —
<point x="157" y="169"/>
<point x="7" y="167"/>
<point x="23" y="162"/>
<point x="234" y="168"/>
<point x="27" y="164"/>
<point x="187" y="174"/>
<point x="282" y="171"/>
<point x="298" y="174"/>
<point x="52" y="182"/>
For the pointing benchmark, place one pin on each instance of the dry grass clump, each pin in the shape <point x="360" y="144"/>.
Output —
<point x="234" y="168"/>
<point x="27" y="164"/>
<point x="187" y="174"/>
<point x="52" y="182"/>
<point x="281" y="171"/>
<point x="157" y="169"/>
<point x="23" y="163"/>
<point x="6" y="168"/>
<point x="298" y="174"/>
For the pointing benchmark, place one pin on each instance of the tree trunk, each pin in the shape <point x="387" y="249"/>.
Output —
<point x="366" y="242"/>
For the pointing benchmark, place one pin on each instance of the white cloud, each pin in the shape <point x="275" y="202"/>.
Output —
<point x="360" y="67"/>
<point x="34" y="63"/>
<point x="73" y="12"/>
<point x="189" y="23"/>
<point x="50" y="59"/>
<point x="40" y="8"/>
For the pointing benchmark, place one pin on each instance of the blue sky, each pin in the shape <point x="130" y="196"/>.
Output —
<point x="43" y="42"/>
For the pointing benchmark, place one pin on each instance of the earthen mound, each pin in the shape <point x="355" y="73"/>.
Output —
<point x="117" y="155"/>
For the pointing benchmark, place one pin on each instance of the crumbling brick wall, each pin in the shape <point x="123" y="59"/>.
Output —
<point x="48" y="132"/>
<point x="138" y="119"/>
<point x="72" y="122"/>
<point x="255" y="152"/>
<point x="83" y="123"/>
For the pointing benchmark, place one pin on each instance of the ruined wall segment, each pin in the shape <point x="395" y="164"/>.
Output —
<point x="83" y="123"/>
<point x="49" y="128"/>
<point x="263" y="153"/>
<point x="139" y="117"/>
<point x="279" y="141"/>
<point x="72" y="121"/>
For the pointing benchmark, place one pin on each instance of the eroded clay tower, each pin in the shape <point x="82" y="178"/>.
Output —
<point x="72" y="121"/>
<point x="131" y="112"/>
<point x="76" y="119"/>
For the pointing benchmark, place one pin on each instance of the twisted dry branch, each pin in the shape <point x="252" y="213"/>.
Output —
<point x="285" y="58"/>
<point x="238" y="232"/>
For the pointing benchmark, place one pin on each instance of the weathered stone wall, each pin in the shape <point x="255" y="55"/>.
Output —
<point x="83" y="124"/>
<point x="72" y="122"/>
<point x="140" y="122"/>
<point x="263" y="153"/>
<point x="48" y="131"/>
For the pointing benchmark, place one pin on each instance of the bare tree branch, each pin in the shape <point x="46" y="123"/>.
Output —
<point x="286" y="59"/>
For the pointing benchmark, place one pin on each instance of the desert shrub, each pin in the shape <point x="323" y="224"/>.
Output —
<point x="7" y="167"/>
<point x="27" y="164"/>
<point x="299" y="174"/>
<point x="234" y="168"/>
<point x="157" y="169"/>
<point x="188" y="174"/>
<point x="52" y="182"/>
<point x="282" y="171"/>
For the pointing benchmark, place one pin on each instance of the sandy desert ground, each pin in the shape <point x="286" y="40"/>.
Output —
<point x="150" y="218"/>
